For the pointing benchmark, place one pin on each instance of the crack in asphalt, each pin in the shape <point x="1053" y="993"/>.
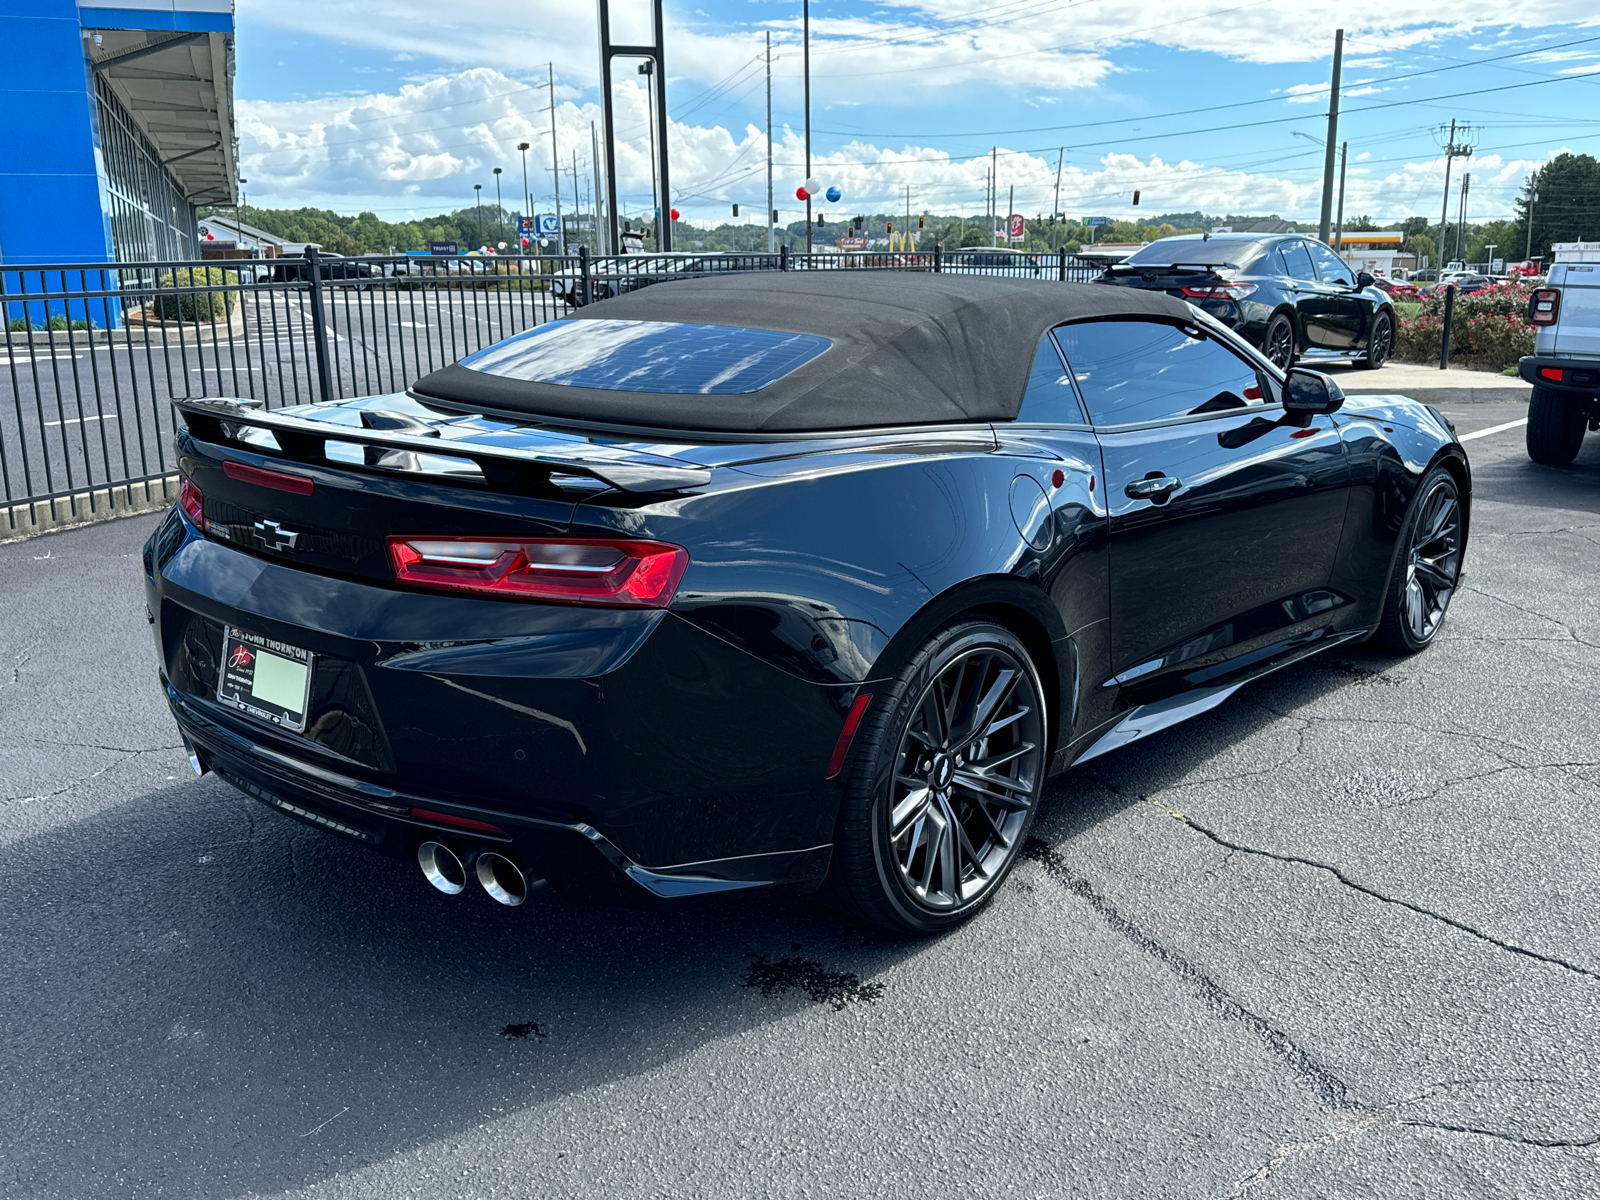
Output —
<point x="21" y="660"/>
<point x="123" y="756"/>
<point x="1329" y="1088"/>
<point x="1366" y="890"/>
<point x="1571" y="632"/>
<point x="1354" y="1126"/>
<point x="1500" y="1135"/>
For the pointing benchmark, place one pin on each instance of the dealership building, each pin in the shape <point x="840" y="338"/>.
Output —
<point x="119" y="124"/>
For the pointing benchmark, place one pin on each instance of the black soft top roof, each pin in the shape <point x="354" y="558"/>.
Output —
<point x="908" y="349"/>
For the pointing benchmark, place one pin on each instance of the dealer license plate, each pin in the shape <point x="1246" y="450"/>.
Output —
<point x="267" y="679"/>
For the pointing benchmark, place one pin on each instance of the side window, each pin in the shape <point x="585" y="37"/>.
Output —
<point x="1330" y="266"/>
<point x="1299" y="262"/>
<point x="1271" y="263"/>
<point x="1049" y="399"/>
<point x="1132" y="371"/>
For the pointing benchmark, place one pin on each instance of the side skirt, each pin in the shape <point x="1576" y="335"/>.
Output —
<point x="1151" y="718"/>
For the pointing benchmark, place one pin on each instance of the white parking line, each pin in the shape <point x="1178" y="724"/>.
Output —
<point x="80" y="420"/>
<point x="1478" y="433"/>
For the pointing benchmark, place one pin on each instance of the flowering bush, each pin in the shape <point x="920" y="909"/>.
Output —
<point x="1488" y="331"/>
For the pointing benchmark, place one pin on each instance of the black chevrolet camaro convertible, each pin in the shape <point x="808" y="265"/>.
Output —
<point x="803" y="579"/>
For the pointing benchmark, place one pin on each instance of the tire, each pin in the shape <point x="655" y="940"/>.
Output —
<point x="1380" y="343"/>
<point x="961" y="825"/>
<point x="1556" y="425"/>
<point x="1278" y="343"/>
<point x="1427" y="567"/>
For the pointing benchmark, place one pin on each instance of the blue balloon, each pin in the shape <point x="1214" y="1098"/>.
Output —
<point x="833" y="195"/>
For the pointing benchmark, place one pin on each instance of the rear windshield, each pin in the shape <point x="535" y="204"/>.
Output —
<point x="649" y="356"/>
<point x="1198" y="251"/>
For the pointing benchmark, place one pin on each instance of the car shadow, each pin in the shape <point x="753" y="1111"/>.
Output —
<point x="208" y="993"/>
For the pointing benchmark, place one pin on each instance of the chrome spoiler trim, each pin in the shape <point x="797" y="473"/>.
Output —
<point x="629" y="470"/>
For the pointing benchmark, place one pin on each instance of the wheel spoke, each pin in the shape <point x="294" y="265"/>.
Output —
<point x="914" y="804"/>
<point x="949" y="855"/>
<point x="985" y="709"/>
<point x="1000" y="760"/>
<point x="1431" y="573"/>
<point x="979" y="785"/>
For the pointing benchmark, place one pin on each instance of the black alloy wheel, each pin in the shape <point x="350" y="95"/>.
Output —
<point x="1278" y="345"/>
<point x="943" y="782"/>
<point x="1380" y="343"/>
<point x="1556" y="424"/>
<point x="1428" y="567"/>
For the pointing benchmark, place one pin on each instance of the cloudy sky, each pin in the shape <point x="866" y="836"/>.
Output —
<point x="401" y="106"/>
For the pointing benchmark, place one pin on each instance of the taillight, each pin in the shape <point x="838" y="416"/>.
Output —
<point x="1544" y="306"/>
<point x="626" y="572"/>
<point x="1220" y="291"/>
<point x="192" y="502"/>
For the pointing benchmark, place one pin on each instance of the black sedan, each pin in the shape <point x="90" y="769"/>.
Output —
<point x="799" y="580"/>
<point x="1289" y="295"/>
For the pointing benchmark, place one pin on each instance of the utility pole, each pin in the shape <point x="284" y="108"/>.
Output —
<point x="1333" y="139"/>
<point x="477" y="208"/>
<point x="1338" y="235"/>
<point x="648" y="68"/>
<point x="555" y="164"/>
<point x="806" y="66"/>
<point x="769" y="143"/>
<point x="1452" y="151"/>
<point x="993" y="198"/>
<point x="594" y="146"/>
<point x="1461" y="220"/>
<point x="578" y="218"/>
<point x="1533" y="199"/>
<point x="908" y="208"/>
<point x="1061" y="156"/>
<point x="1011" y="207"/>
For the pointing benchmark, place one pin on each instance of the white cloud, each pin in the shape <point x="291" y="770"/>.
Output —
<point x="421" y="148"/>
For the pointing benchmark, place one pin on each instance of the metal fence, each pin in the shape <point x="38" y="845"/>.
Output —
<point x="95" y="352"/>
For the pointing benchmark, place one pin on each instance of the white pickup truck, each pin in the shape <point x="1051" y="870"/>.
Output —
<point x="1564" y="367"/>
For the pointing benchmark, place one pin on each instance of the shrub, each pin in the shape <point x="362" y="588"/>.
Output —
<point x="58" y="322"/>
<point x="196" y="306"/>
<point x="1488" y="331"/>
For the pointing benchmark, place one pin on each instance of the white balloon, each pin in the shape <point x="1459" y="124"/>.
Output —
<point x="814" y="186"/>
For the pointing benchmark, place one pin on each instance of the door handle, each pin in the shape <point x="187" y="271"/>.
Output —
<point x="1156" y="489"/>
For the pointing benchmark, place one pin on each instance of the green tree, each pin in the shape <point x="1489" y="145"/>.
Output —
<point x="1568" y="209"/>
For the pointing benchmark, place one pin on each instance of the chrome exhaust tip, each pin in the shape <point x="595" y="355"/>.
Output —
<point x="442" y="868"/>
<point x="503" y="879"/>
<point x="196" y="763"/>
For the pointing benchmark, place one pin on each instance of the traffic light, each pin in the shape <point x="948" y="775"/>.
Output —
<point x="1136" y="197"/>
<point x="774" y="216"/>
<point x="920" y="223"/>
<point x="888" y="227"/>
<point x="736" y="210"/>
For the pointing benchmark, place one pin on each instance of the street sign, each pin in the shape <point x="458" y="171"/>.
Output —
<point x="1497" y="267"/>
<point x="1017" y="226"/>
<point x="443" y="248"/>
<point x="525" y="227"/>
<point x="1094" y="221"/>
<point x="548" y="225"/>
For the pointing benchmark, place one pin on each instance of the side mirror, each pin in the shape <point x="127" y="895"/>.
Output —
<point x="1364" y="279"/>
<point x="1311" y="393"/>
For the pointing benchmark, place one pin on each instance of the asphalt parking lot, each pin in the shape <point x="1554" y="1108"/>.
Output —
<point x="1338" y="938"/>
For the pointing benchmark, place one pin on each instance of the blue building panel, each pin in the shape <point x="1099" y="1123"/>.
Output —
<point x="156" y="19"/>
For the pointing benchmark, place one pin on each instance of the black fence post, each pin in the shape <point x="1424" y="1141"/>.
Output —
<point x="783" y="258"/>
<point x="1449" y="314"/>
<point x="1061" y="271"/>
<point x="319" y="326"/>
<point x="583" y="274"/>
<point x="938" y="258"/>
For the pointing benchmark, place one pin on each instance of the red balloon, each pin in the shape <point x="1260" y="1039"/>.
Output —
<point x="674" y="214"/>
<point x="800" y="193"/>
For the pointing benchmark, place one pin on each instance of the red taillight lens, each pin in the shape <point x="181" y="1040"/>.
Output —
<point x="439" y="818"/>
<point x="192" y="502"/>
<point x="1544" y="306"/>
<point x="1550" y="373"/>
<point x="282" y="481"/>
<point x="626" y="572"/>
<point x="1219" y="291"/>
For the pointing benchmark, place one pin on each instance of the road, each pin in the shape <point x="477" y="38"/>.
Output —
<point x="1338" y="938"/>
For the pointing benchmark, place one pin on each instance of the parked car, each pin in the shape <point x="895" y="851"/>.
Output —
<point x="1466" y="283"/>
<point x="1289" y="295"/>
<point x="1397" y="289"/>
<point x="997" y="260"/>
<point x="615" y="274"/>
<point x="1564" y="367"/>
<point x="804" y="580"/>
<point x="329" y="267"/>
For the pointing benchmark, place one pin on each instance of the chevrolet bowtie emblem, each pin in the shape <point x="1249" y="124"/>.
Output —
<point x="273" y="536"/>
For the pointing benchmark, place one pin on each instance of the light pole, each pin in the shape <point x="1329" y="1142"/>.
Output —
<point x="806" y="58"/>
<point x="237" y="232"/>
<point x="647" y="68"/>
<point x="526" y="200"/>
<point x="477" y="208"/>
<point x="1532" y="200"/>
<point x="500" y="209"/>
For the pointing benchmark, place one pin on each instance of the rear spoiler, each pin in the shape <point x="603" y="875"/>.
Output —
<point x="1172" y="268"/>
<point x="506" y="457"/>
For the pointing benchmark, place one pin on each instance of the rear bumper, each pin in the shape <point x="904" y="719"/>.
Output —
<point x="1579" y="376"/>
<point x="578" y="860"/>
<point x="624" y="754"/>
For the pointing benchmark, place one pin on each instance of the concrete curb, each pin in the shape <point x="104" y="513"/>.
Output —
<point x="88" y="507"/>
